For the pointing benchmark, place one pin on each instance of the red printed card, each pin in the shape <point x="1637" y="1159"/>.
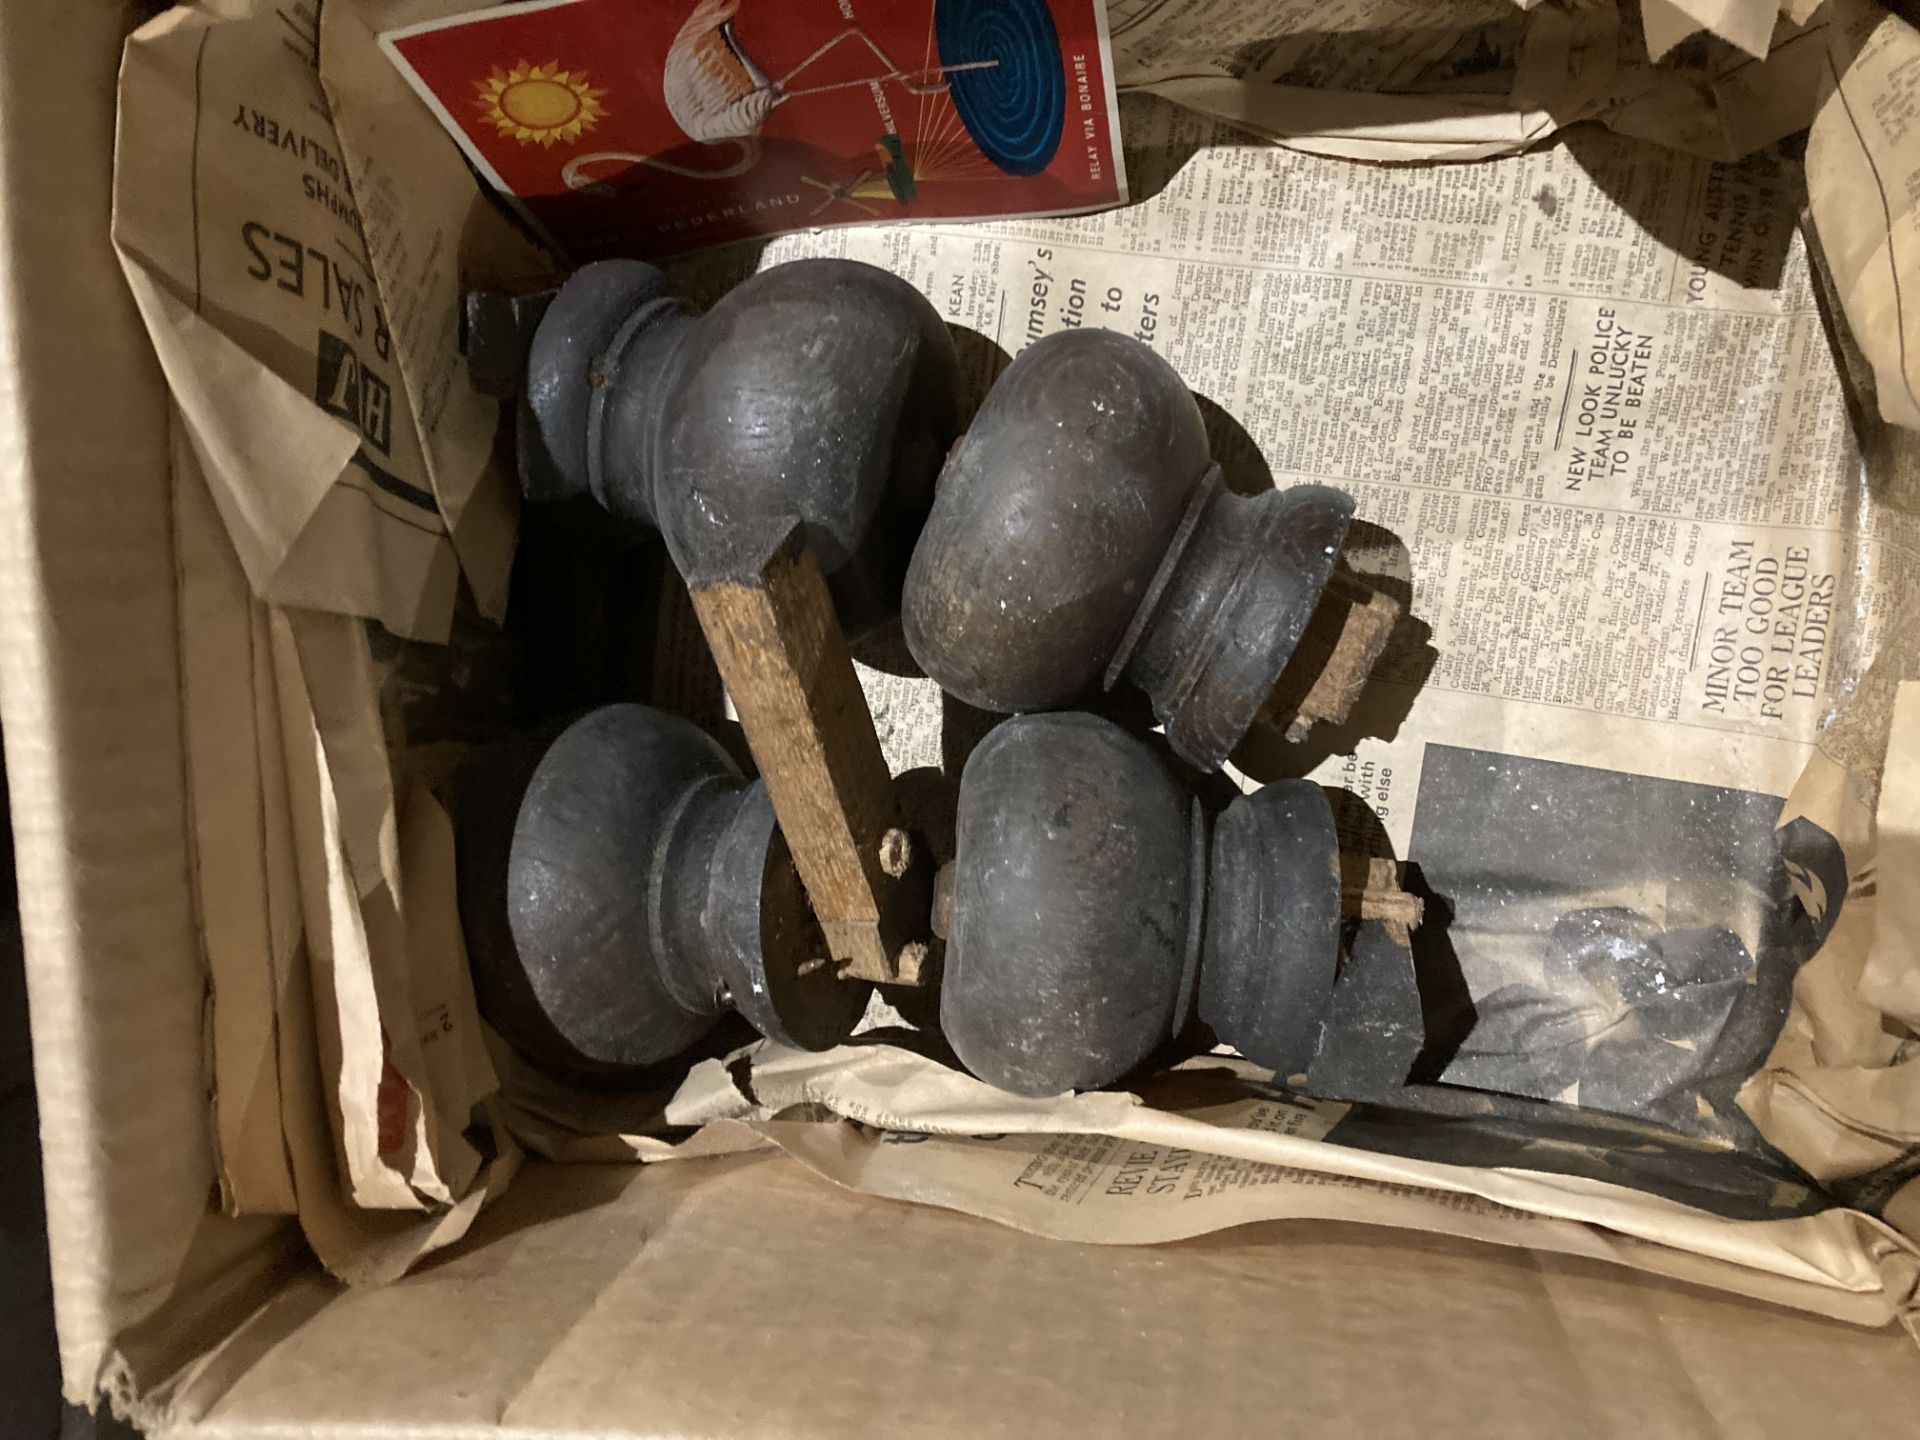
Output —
<point x="646" y="127"/>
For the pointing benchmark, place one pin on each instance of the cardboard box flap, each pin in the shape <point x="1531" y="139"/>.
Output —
<point x="89" y="701"/>
<point x="720" y="1297"/>
<point x="741" y="1297"/>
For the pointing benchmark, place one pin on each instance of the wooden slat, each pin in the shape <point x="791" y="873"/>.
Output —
<point x="785" y="661"/>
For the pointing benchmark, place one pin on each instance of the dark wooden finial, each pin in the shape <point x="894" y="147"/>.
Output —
<point x="785" y="445"/>
<point x="1081" y="532"/>
<point x="823" y="392"/>
<point x="1095" y="910"/>
<point x="621" y="885"/>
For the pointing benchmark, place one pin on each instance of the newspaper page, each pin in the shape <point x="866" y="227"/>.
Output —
<point x="308" y="331"/>
<point x="1863" y="159"/>
<point x="394" y="995"/>
<point x="1749" y="24"/>
<point x="1211" y="1144"/>
<point x="1600" y="445"/>
<point x="293" y="994"/>
<point x="336" y="500"/>
<point x="1393" y="80"/>
<point x="1840" y="1094"/>
<point x="240" y="860"/>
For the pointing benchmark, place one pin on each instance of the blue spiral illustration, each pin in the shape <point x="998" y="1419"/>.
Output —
<point x="1015" y="109"/>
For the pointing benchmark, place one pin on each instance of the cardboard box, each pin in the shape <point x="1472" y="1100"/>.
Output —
<point x="734" y="1296"/>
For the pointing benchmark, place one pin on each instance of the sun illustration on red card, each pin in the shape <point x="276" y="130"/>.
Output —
<point x="540" y="104"/>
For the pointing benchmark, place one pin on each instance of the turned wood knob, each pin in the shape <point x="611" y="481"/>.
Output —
<point x="1081" y="532"/>
<point x="1095" y="909"/>
<point x="622" y="886"/>
<point x="823" y="391"/>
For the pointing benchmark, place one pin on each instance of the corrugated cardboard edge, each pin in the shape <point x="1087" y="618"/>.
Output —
<point x="145" y="1272"/>
<point x="89" y="700"/>
<point x="743" y="1297"/>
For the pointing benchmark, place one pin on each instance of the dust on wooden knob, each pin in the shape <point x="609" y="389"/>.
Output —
<point x="822" y="390"/>
<point x="621" y="886"/>
<point x="1096" y="909"/>
<point x="1080" y="532"/>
